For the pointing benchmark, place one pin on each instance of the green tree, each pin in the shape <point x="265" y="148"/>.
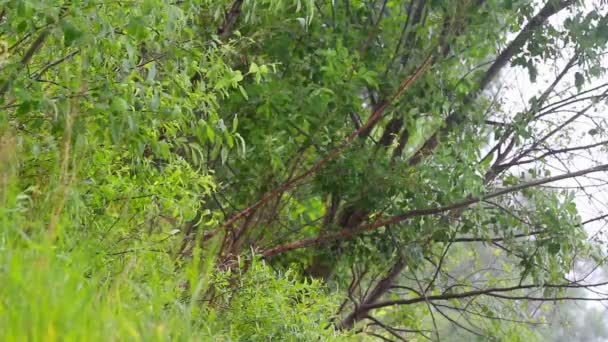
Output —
<point x="153" y="150"/>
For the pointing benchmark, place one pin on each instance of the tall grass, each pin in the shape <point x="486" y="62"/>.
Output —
<point x="59" y="282"/>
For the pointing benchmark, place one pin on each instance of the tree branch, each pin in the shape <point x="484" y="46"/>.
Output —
<point x="230" y="19"/>
<point x="516" y="45"/>
<point x="494" y="292"/>
<point x="377" y="115"/>
<point x="36" y="45"/>
<point x="347" y="233"/>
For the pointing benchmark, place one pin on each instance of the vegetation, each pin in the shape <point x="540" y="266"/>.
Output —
<point x="300" y="169"/>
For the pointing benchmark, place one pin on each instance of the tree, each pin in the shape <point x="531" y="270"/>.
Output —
<point x="376" y="145"/>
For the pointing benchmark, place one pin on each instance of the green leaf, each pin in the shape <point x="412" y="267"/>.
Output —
<point x="119" y="105"/>
<point x="71" y="33"/>
<point x="554" y="248"/>
<point x="210" y="133"/>
<point x="235" y="123"/>
<point x="253" y="68"/>
<point x="533" y="72"/>
<point x="579" y="80"/>
<point x="243" y="92"/>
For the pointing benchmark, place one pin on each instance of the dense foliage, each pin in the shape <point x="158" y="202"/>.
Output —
<point x="299" y="169"/>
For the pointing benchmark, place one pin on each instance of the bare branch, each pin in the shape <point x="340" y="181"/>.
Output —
<point x="494" y="292"/>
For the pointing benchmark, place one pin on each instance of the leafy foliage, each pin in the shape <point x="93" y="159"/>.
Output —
<point x="152" y="153"/>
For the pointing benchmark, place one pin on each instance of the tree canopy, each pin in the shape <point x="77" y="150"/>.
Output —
<point x="301" y="169"/>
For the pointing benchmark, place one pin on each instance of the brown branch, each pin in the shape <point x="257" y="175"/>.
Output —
<point x="230" y="19"/>
<point x="386" y="327"/>
<point x="510" y="127"/>
<point x="377" y="115"/>
<point x="516" y="45"/>
<point x="44" y="69"/>
<point x="437" y="268"/>
<point x="498" y="168"/>
<point x="554" y="152"/>
<point x="549" y="108"/>
<point x="36" y="45"/>
<point x="595" y="219"/>
<point x="431" y="143"/>
<point x="347" y="233"/>
<point x="464" y="310"/>
<point x="373" y="30"/>
<point x="407" y="36"/>
<point x="460" y="325"/>
<point x="383" y="286"/>
<point x="550" y="8"/>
